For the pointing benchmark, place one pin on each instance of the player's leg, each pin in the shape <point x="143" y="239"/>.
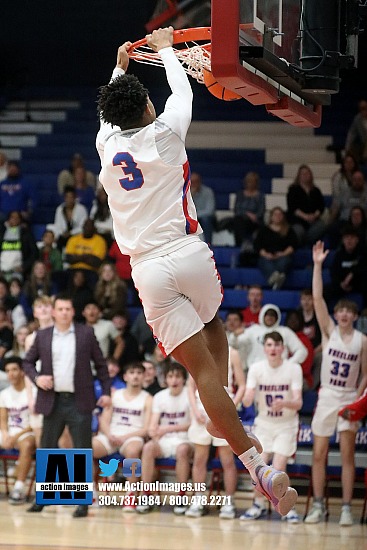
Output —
<point x="258" y="508"/>
<point x="216" y="340"/>
<point x="151" y="451"/>
<point x="183" y="453"/>
<point x="27" y="447"/>
<point x="132" y="448"/>
<point x="319" y="457"/>
<point x="230" y="477"/>
<point x="347" y="451"/>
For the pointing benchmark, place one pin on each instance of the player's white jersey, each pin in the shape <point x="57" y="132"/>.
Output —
<point x="341" y="362"/>
<point x="146" y="174"/>
<point x="127" y="414"/>
<point x="274" y="383"/>
<point x="173" y="409"/>
<point x="16" y="403"/>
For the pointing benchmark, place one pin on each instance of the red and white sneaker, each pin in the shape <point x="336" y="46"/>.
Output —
<point x="274" y="485"/>
<point x="355" y="411"/>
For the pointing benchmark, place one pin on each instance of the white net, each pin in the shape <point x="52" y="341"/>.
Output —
<point x="194" y="59"/>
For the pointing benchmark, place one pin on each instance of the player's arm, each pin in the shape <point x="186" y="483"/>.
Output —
<point x="195" y="412"/>
<point x="7" y="440"/>
<point x="176" y="116"/>
<point x="147" y="415"/>
<point x="122" y="63"/>
<point x="105" y="421"/>
<point x="294" y="403"/>
<point x="238" y="374"/>
<point x="363" y="380"/>
<point x="326" y="324"/>
<point x="154" y="424"/>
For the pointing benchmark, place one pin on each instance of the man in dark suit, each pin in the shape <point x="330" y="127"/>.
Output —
<point x="65" y="382"/>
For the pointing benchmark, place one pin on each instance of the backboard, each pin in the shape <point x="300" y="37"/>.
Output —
<point x="284" y="54"/>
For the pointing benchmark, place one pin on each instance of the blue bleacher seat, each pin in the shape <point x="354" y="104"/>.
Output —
<point x="225" y="255"/>
<point x="38" y="230"/>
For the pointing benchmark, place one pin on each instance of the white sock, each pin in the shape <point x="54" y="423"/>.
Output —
<point x="18" y="485"/>
<point x="251" y="459"/>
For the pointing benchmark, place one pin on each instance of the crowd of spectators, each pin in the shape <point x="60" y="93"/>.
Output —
<point x="78" y="254"/>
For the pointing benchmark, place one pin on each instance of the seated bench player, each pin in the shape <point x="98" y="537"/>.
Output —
<point x="124" y="425"/>
<point x="15" y="429"/>
<point x="168" y="431"/>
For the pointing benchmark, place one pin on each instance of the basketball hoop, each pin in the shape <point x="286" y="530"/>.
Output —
<point x="194" y="57"/>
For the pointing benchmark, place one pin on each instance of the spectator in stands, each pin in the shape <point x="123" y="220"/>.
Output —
<point x="6" y="333"/>
<point x="356" y="141"/>
<point x="162" y="364"/>
<point x="250" y="314"/>
<point x="202" y="441"/>
<point x="339" y="380"/>
<point x="125" y="432"/>
<point x="143" y="334"/>
<point x="168" y="428"/>
<point x="49" y="254"/>
<point x="18" y="247"/>
<point x="269" y="320"/>
<point x="15" y="428"/>
<point x="66" y="176"/>
<point x="354" y="195"/>
<point x="17" y="194"/>
<point x="69" y="218"/>
<point x="235" y="332"/>
<point x="294" y="320"/>
<point x="312" y="330"/>
<point x="305" y="207"/>
<point x="39" y="283"/>
<point x="277" y="421"/>
<point x="150" y="382"/>
<point x="106" y="333"/>
<point x="204" y="200"/>
<point x="342" y="178"/>
<point x="249" y="210"/>
<point x="20" y="308"/>
<point x="101" y="215"/>
<point x="19" y="349"/>
<point x="86" y="251"/>
<point x="275" y="244"/>
<point x="110" y="291"/>
<point x="3" y="166"/>
<point x="130" y="349"/>
<point x="348" y="270"/>
<point x="84" y="192"/>
<point x="114" y="371"/>
<point x="358" y="221"/>
<point x="80" y="293"/>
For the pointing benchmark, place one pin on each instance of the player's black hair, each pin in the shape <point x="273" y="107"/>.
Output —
<point x="122" y="102"/>
<point x="12" y="359"/>
<point x="135" y="365"/>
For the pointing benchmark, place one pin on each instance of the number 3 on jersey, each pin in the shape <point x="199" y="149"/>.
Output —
<point x="132" y="176"/>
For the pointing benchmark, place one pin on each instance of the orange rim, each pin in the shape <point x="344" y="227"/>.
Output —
<point x="180" y="36"/>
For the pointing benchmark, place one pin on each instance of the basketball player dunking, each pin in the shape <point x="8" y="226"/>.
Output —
<point x="344" y="356"/>
<point x="146" y="174"/>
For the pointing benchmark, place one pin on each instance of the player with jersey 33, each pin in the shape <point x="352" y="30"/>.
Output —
<point x="343" y="378"/>
<point x="146" y="174"/>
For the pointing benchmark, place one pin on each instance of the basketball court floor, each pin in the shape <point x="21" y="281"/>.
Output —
<point x="108" y="528"/>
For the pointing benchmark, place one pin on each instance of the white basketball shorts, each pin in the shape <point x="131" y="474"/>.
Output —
<point x="326" y="420"/>
<point x="180" y="292"/>
<point x="279" y="438"/>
